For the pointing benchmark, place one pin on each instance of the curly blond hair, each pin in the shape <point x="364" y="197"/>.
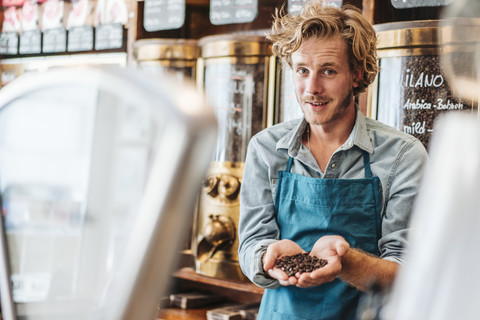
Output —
<point x="320" y="21"/>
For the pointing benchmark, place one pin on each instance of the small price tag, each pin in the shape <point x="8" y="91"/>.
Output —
<point x="30" y="42"/>
<point x="54" y="40"/>
<point x="108" y="36"/>
<point x="9" y="43"/>
<point x="80" y="39"/>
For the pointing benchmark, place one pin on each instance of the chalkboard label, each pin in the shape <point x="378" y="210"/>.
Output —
<point x="109" y="36"/>
<point x="401" y="4"/>
<point x="294" y="6"/>
<point x="54" y="40"/>
<point x="232" y="11"/>
<point x="9" y="43"/>
<point x="80" y="39"/>
<point x="163" y="14"/>
<point x="30" y="42"/>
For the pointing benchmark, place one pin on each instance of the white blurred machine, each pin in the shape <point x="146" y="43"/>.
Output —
<point x="99" y="173"/>
<point x="440" y="278"/>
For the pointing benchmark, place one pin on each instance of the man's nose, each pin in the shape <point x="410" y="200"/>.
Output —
<point x="314" y="85"/>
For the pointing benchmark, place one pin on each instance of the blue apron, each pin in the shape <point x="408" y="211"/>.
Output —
<point x="308" y="208"/>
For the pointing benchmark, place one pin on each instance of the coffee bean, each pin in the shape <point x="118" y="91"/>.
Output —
<point x="299" y="263"/>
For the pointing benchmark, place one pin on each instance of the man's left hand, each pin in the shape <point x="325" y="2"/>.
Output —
<point x="330" y="248"/>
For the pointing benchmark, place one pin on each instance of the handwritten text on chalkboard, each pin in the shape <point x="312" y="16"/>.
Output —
<point x="233" y="11"/>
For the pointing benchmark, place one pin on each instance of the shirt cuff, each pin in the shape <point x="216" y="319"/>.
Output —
<point x="260" y="277"/>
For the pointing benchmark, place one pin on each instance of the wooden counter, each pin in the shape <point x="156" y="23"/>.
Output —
<point x="187" y="280"/>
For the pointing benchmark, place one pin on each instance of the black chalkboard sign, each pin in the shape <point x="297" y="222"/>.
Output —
<point x="108" y="36"/>
<point x="8" y="43"/>
<point x="30" y="42"/>
<point x="295" y="5"/>
<point x="232" y="11"/>
<point x="163" y="14"/>
<point x="400" y="4"/>
<point x="80" y="39"/>
<point x="54" y="40"/>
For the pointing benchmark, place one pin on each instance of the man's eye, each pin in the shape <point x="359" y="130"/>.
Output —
<point x="329" y="72"/>
<point x="302" y="71"/>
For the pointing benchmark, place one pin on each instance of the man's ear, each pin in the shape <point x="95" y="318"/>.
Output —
<point x="357" y="77"/>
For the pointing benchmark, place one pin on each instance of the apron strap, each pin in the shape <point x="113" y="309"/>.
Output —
<point x="366" y="164"/>
<point x="289" y="164"/>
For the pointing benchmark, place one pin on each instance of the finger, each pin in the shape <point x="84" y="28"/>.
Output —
<point x="306" y="281"/>
<point x="278" y="274"/>
<point x="328" y="272"/>
<point x="284" y="281"/>
<point x="292" y="281"/>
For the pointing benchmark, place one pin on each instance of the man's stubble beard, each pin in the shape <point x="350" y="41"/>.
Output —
<point x="337" y="114"/>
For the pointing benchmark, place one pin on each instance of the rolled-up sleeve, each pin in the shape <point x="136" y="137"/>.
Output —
<point x="403" y="184"/>
<point x="257" y="224"/>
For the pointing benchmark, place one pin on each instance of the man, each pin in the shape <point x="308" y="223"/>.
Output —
<point x="334" y="183"/>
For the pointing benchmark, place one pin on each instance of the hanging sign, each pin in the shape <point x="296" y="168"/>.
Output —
<point x="294" y="6"/>
<point x="163" y="14"/>
<point x="400" y="4"/>
<point x="233" y="11"/>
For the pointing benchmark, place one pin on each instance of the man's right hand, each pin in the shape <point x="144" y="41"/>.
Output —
<point x="277" y="250"/>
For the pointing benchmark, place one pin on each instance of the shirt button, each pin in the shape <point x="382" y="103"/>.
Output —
<point x="333" y="165"/>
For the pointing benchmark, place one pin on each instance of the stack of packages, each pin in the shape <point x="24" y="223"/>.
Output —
<point x="28" y="15"/>
<point x="221" y="309"/>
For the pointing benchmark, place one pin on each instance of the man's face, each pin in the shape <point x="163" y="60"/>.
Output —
<point x="324" y="81"/>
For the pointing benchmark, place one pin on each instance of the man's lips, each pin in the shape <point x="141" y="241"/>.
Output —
<point x="316" y="103"/>
<point x="317" y="106"/>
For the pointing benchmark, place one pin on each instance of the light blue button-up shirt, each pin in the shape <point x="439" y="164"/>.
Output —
<point x="396" y="158"/>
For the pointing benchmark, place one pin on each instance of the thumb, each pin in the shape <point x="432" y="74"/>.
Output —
<point x="342" y="247"/>
<point x="267" y="260"/>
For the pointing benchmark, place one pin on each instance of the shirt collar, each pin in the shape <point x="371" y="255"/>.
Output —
<point x="359" y="137"/>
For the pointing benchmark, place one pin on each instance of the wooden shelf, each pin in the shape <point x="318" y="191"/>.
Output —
<point x="191" y="275"/>
<point x="188" y="279"/>
<point x="181" y="314"/>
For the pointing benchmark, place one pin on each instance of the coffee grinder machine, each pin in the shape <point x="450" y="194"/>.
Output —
<point x="237" y="73"/>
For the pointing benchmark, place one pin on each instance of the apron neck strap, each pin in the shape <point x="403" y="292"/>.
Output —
<point x="289" y="164"/>
<point x="366" y="164"/>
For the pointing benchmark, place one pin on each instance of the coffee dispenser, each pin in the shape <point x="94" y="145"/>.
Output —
<point x="237" y="74"/>
<point x="178" y="57"/>
<point x="177" y="60"/>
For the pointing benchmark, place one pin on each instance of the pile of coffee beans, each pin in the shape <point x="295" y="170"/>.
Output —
<point x="301" y="263"/>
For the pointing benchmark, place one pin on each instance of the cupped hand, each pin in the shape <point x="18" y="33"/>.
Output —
<point x="277" y="250"/>
<point x="331" y="248"/>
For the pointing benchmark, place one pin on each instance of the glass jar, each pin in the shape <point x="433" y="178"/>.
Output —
<point x="411" y="89"/>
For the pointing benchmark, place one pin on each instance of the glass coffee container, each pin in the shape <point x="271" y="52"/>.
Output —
<point x="286" y="107"/>
<point x="177" y="57"/>
<point x="237" y="73"/>
<point x="411" y="89"/>
<point x="160" y="56"/>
